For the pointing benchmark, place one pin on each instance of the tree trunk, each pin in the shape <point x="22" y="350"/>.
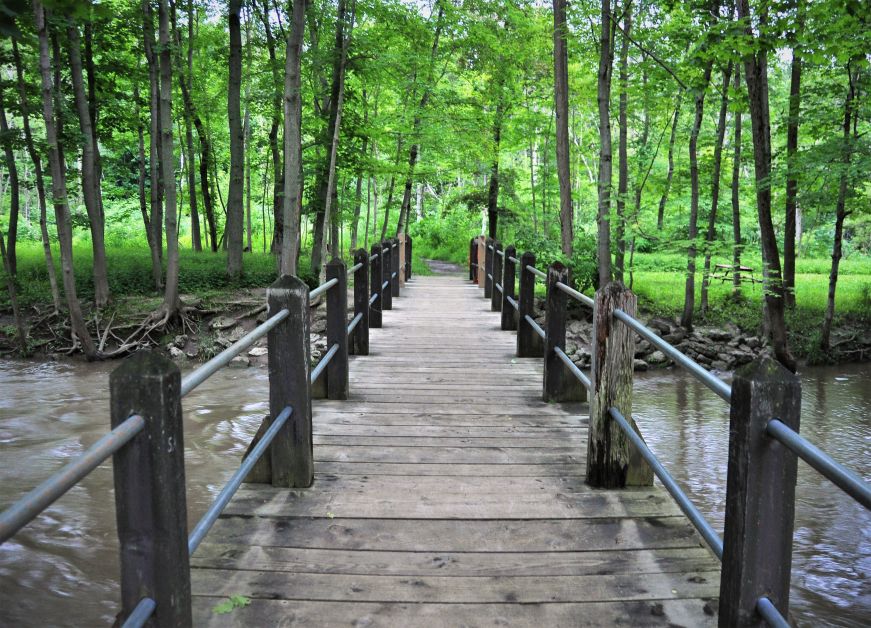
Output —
<point x="686" y="319"/>
<point x="622" y="157"/>
<point x="140" y="133"/>
<point x="13" y="298"/>
<point x="390" y="188"/>
<point x="235" y="208"/>
<point x="561" y="97"/>
<point x="171" y="303"/>
<point x="196" y="238"/>
<point x="493" y="188"/>
<point x="715" y="186"/>
<point x="670" y="174"/>
<point x="291" y="202"/>
<point x="9" y="256"/>
<point x="40" y="180"/>
<point x="756" y="78"/>
<point x="606" y="56"/>
<point x="90" y="181"/>
<point x="155" y="169"/>
<point x="736" y="199"/>
<point x="841" y="207"/>
<point x="59" y="188"/>
<point x="792" y="124"/>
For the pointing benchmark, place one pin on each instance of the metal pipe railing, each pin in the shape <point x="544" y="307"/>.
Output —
<point x="578" y="296"/>
<point x="536" y="272"/>
<point x="353" y="269"/>
<point x="322" y="365"/>
<point x="204" y="372"/>
<point x="770" y="613"/>
<point x="573" y="368"/>
<point x="838" y="474"/>
<point x="514" y="259"/>
<point x="373" y="298"/>
<point x="498" y="286"/>
<point x="354" y="322"/>
<point x="323" y="288"/>
<point x="500" y="253"/>
<point x="373" y="257"/>
<point x="513" y="302"/>
<point x="689" y="509"/>
<point x="208" y="520"/>
<point x="535" y="326"/>
<point x="29" y="506"/>
<point x="695" y="369"/>
<point x="141" y="614"/>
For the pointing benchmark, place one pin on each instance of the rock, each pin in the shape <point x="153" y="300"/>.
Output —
<point x="192" y="353"/>
<point x="660" y="325"/>
<point x="640" y="365"/>
<point x="575" y="327"/>
<point x="718" y="335"/>
<point x="704" y="360"/>
<point x="175" y="353"/>
<point x="237" y="333"/>
<point x="657" y="357"/>
<point x="240" y="362"/>
<point x="222" y="322"/>
<point x="719" y="365"/>
<point x="642" y="348"/>
<point x="753" y="342"/>
<point x="223" y="341"/>
<point x="676" y="336"/>
<point x="180" y="340"/>
<point x="261" y="318"/>
<point x="256" y="352"/>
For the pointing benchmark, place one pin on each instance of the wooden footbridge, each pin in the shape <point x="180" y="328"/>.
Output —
<point x="451" y="477"/>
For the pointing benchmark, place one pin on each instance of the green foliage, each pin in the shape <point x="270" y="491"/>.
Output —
<point x="231" y="604"/>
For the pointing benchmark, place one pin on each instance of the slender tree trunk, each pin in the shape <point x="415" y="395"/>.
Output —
<point x="841" y="208"/>
<point x="715" y="187"/>
<point x="622" y="157"/>
<point x="660" y="216"/>
<point x="38" y="175"/>
<point x="736" y="199"/>
<point x="756" y="78"/>
<point x="390" y="188"/>
<point x="641" y="177"/>
<point x="90" y="181"/>
<point x="792" y="124"/>
<point x="235" y="208"/>
<point x="196" y="238"/>
<point x="9" y="256"/>
<point x="606" y="57"/>
<point x="140" y="133"/>
<point x="292" y="195"/>
<point x="493" y="188"/>
<point x="171" y="302"/>
<point x="13" y="298"/>
<point x="155" y="169"/>
<point x="561" y="106"/>
<point x="59" y="188"/>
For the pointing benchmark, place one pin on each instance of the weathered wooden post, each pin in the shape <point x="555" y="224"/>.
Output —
<point x="290" y="456"/>
<point x="375" y="286"/>
<point x="496" y="295"/>
<point x="612" y="462"/>
<point x="760" y="494"/>
<point x="407" y="257"/>
<point x="337" y="331"/>
<point x="359" y="339"/>
<point x="150" y="504"/>
<point x="559" y="383"/>
<point x="394" y="265"/>
<point x="473" y="260"/>
<point x="509" y="314"/>
<point x="529" y="344"/>
<point x="488" y="268"/>
<point x="386" y="268"/>
<point x="482" y="258"/>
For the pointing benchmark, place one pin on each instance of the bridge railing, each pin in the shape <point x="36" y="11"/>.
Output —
<point x="764" y="441"/>
<point x="146" y="442"/>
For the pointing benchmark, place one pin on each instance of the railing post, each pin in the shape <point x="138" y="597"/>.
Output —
<point x="386" y="268"/>
<point x="290" y="455"/>
<point x="495" y="295"/>
<point x="488" y="268"/>
<point x="611" y="460"/>
<point x="529" y="344"/>
<point x="482" y="259"/>
<point x="359" y="341"/>
<point x="760" y="494"/>
<point x="375" y="286"/>
<point x="150" y="502"/>
<point x="509" y="314"/>
<point x="394" y="266"/>
<point x="473" y="260"/>
<point x="337" y="330"/>
<point x="407" y="257"/>
<point x="559" y="383"/>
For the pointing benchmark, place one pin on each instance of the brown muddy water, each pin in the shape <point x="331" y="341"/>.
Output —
<point x="62" y="569"/>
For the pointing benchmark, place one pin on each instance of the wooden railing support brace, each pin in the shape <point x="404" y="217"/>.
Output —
<point x="375" y="281"/>
<point x="407" y="257"/>
<point x="473" y="260"/>
<point x="386" y="268"/>
<point x="559" y="383"/>
<point x="359" y="339"/>
<point x="488" y="268"/>
<point x="529" y="344"/>
<point x="760" y="494"/>
<point x="336" y="373"/>
<point x="611" y="460"/>
<point x="495" y="295"/>
<point x="509" y="273"/>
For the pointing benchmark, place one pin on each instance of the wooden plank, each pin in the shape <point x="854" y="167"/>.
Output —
<point x="451" y="470"/>
<point x="508" y="442"/>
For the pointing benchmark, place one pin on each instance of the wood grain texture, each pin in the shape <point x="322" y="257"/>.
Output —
<point x="446" y="495"/>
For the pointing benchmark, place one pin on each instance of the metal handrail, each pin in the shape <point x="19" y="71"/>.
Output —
<point x="689" y="509"/>
<point x="770" y="614"/>
<point x="205" y="371"/>
<point x="490" y="276"/>
<point x="514" y="259"/>
<point x="141" y="614"/>
<point x="577" y="296"/>
<point x="373" y="257"/>
<point x="498" y="287"/>
<point x="29" y="506"/>
<point x="385" y="284"/>
<point x="573" y="368"/>
<point x="323" y="287"/>
<point x="322" y="365"/>
<point x="838" y="474"/>
<point x="208" y="520"/>
<point x="695" y="369"/>
<point x="513" y="302"/>
<point x="535" y="326"/>
<point x="373" y="298"/>
<point x="536" y="272"/>
<point x="392" y="275"/>
<point x="500" y="252"/>
<point x="354" y="322"/>
<point x="355" y="268"/>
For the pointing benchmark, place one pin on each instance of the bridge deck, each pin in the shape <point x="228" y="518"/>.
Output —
<point x="447" y="494"/>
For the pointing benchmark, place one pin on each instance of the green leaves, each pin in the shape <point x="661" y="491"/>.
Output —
<point x="231" y="604"/>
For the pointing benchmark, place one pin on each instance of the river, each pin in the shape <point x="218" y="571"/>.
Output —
<point x="62" y="569"/>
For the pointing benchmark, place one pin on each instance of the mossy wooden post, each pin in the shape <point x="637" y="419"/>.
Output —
<point x="488" y="268"/>
<point x="359" y="339"/>
<point x="290" y="456"/>
<point x="473" y="260"/>
<point x="386" y="266"/>
<point x="559" y="383"/>
<point x="336" y="372"/>
<point x="408" y="252"/>
<point x="509" y="273"/>
<point x="612" y="462"/>
<point x="482" y="259"/>
<point x="375" y="286"/>
<point x="760" y="494"/>
<point x="496" y="294"/>
<point x="529" y="344"/>
<point x="150" y="503"/>
<point x="394" y="265"/>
